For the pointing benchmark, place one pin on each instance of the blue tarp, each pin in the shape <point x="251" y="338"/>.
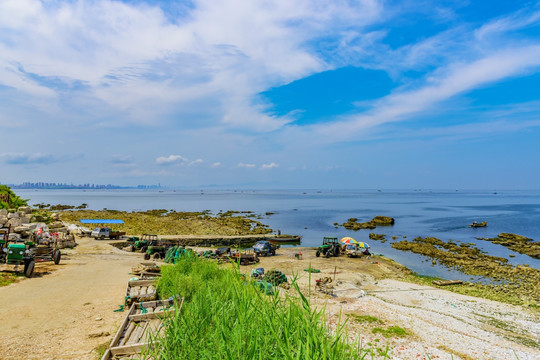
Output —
<point x="101" y="221"/>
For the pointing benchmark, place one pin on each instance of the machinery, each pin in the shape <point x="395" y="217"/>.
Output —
<point x="330" y="247"/>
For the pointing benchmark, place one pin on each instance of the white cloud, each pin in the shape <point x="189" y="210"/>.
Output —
<point x="216" y="164"/>
<point x="247" y="166"/>
<point x="515" y="21"/>
<point x="171" y="159"/>
<point x="195" y="162"/>
<point x="272" y="165"/>
<point x="130" y="58"/>
<point x="445" y="83"/>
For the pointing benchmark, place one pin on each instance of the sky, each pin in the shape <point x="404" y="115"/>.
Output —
<point x="325" y="94"/>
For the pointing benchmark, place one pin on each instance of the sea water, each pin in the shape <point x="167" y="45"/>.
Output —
<point x="313" y="214"/>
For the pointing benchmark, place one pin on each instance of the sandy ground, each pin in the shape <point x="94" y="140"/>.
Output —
<point x="66" y="311"/>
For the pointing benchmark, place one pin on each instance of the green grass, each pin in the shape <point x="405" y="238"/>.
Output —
<point x="225" y="316"/>
<point x="392" y="331"/>
<point x="6" y="279"/>
<point x="365" y="318"/>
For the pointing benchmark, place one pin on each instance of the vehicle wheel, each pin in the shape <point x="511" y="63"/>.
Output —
<point x="328" y="254"/>
<point x="56" y="257"/>
<point x="29" y="269"/>
<point x="157" y="256"/>
<point x="336" y="251"/>
<point x="273" y="252"/>
<point x="146" y="256"/>
<point x="143" y="249"/>
<point x="349" y="255"/>
<point x="318" y="253"/>
<point x="102" y="237"/>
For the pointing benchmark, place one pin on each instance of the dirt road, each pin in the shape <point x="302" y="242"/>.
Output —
<point x="66" y="310"/>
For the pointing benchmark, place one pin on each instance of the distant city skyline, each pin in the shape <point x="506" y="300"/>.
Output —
<point x="47" y="185"/>
<point x="271" y="94"/>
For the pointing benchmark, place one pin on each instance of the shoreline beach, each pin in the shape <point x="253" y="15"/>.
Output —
<point x="67" y="311"/>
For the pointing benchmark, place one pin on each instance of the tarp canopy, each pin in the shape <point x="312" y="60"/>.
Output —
<point x="101" y="221"/>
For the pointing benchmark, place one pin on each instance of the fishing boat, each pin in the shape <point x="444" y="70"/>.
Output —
<point x="477" y="224"/>
<point x="284" y="239"/>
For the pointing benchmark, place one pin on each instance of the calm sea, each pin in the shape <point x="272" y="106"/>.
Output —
<point x="312" y="214"/>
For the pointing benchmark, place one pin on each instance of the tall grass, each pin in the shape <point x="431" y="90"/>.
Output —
<point x="226" y="317"/>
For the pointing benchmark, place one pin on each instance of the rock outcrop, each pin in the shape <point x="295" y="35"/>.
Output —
<point x="353" y="224"/>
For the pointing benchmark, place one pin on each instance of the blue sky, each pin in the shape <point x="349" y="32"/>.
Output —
<point x="271" y="94"/>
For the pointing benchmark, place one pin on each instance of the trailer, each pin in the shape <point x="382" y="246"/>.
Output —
<point x="143" y="321"/>
<point x="27" y="253"/>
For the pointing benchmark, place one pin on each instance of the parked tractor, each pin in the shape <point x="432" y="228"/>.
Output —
<point x="26" y="253"/>
<point x="157" y="249"/>
<point x="145" y="240"/>
<point x="330" y="247"/>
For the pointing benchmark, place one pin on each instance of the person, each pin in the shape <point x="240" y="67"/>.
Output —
<point x="278" y="232"/>
<point x="367" y="253"/>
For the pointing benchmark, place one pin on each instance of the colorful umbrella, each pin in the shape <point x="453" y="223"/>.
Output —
<point x="348" y="240"/>
<point x="363" y="245"/>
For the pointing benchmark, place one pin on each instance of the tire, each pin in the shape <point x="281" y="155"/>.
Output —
<point x="144" y="248"/>
<point x="102" y="237"/>
<point x="273" y="252"/>
<point x="56" y="257"/>
<point x="146" y="256"/>
<point x="328" y="254"/>
<point x="318" y="253"/>
<point x="157" y="256"/>
<point x="336" y="251"/>
<point x="29" y="269"/>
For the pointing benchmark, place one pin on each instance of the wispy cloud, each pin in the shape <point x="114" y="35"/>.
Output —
<point x="271" y="165"/>
<point x="443" y="84"/>
<point x="216" y="164"/>
<point x="195" y="162"/>
<point x="244" y="165"/>
<point x="122" y="160"/>
<point x="26" y="159"/>
<point x="171" y="159"/>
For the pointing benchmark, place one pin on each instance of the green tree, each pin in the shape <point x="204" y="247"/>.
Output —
<point x="9" y="200"/>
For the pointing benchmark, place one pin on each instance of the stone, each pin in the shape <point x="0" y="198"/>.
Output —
<point x="14" y="222"/>
<point x="13" y="215"/>
<point x="25" y="209"/>
<point x="56" y="225"/>
<point x="21" y="228"/>
<point x="3" y="212"/>
<point x="14" y="237"/>
<point x="25" y="220"/>
<point x="55" y="216"/>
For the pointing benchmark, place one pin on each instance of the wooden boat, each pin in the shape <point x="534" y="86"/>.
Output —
<point x="447" y="282"/>
<point x="284" y="239"/>
<point x="475" y="224"/>
<point x="143" y="321"/>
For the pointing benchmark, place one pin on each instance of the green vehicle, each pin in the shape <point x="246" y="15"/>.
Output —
<point x="25" y="253"/>
<point x="330" y="247"/>
<point x="157" y="249"/>
<point x="143" y="243"/>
